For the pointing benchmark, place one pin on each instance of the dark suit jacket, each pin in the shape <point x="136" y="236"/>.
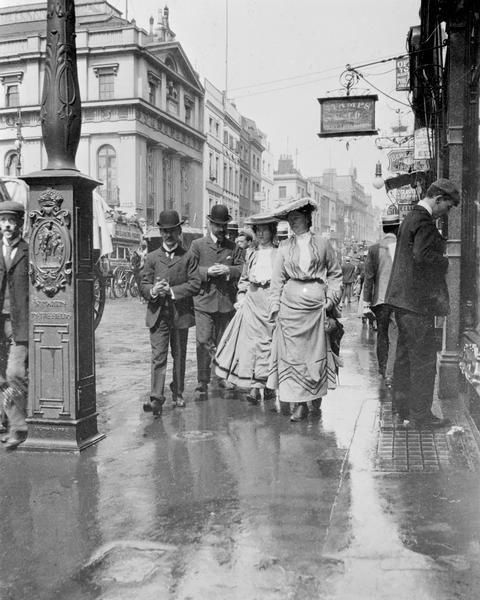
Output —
<point x="17" y="280"/>
<point x="217" y="294"/>
<point x="183" y="276"/>
<point x="417" y="282"/>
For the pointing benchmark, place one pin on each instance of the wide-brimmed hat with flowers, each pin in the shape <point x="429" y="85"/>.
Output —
<point x="305" y="204"/>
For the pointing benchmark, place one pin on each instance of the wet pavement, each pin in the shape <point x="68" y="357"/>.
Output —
<point x="223" y="500"/>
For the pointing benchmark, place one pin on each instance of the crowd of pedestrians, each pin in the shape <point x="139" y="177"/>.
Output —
<point x="261" y="311"/>
<point x="267" y="312"/>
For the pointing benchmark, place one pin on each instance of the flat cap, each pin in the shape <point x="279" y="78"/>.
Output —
<point x="11" y="207"/>
<point x="444" y="187"/>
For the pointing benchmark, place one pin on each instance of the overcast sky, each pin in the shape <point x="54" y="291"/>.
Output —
<point x="284" y="54"/>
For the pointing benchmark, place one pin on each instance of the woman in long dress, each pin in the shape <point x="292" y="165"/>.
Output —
<point x="243" y="354"/>
<point x="306" y="287"/>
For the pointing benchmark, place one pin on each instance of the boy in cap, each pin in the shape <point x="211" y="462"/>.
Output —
<point x="378" y="267"/>
<point x="418" y="292"/>
<point x="170" y="278"/>
<point x="14" y="321"/>
<point x="220" y="262"/>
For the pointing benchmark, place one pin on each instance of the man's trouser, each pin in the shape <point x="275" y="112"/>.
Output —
<point x="13" y="381"/>
<point x="163" y="335"/>
<point x="387" y="335"/>
<point x="209" y="329"/>
<point x="415" y="365"/>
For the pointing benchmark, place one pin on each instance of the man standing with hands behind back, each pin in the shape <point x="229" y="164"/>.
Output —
<point x="170" y="278"/>
<point x="220" y="262"/>
<point x="418" y="292"/>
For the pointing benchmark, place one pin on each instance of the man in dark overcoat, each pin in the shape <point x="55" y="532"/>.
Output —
<point x="14" y="321"/>
<point x="220" y="262"/>
<point x="170" y="279"/>
<point x="418" y="292"/>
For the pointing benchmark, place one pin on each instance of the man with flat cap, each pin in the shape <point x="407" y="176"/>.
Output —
<point x="170" y="279"/>
<point x="220" y="262"/>
<point x="418" y="292"/>
<point x="378" y="267"/>
<point x="14" y="321"/>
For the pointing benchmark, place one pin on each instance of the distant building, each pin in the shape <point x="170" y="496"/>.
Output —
<point x="142" y="107"/>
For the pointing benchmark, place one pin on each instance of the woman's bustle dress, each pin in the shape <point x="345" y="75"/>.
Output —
<point x="243" y="354"/>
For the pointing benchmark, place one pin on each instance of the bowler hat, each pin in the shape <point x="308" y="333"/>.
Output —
<point x="169" y="219"/>
<point x="11" y="207"/>
<point x="444" y="187"/>
<point x="219" y="214"/>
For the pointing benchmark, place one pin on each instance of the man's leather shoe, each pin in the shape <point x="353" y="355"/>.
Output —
<point x="201" y="392"/>
<point x="432" y="422"/>
<point x="299" y="413"/>
<point x="3" y="428"/>
<point x="15" y="440"/>
<point x="147" y="406"/>
<point x="178" y="401"/>
<point x="157" y="406"/>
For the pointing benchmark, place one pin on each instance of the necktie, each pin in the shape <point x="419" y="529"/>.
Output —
<point x="7" y="255"/>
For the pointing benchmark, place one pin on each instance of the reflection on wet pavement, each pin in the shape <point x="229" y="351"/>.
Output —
<point x="223" y="500"/>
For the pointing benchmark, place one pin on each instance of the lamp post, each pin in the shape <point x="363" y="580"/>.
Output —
<point x="19" y="143"/>
<point x="378" y="181"/>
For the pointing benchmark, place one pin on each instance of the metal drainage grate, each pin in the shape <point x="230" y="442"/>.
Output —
<point x="406" y="450"/>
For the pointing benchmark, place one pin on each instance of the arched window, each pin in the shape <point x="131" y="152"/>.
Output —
<point x="11" y="162"/>
<point x="107" y="173"/>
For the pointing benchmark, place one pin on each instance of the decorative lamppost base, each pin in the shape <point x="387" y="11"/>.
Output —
<point x="61" y="436"/>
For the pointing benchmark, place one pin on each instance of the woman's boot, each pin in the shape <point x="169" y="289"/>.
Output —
<point x="300" y="412"/>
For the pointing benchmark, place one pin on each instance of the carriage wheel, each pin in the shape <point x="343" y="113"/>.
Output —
<point x="133" y="286"/>
<point x="98" y="297"/>
<point x="119" y="283"/>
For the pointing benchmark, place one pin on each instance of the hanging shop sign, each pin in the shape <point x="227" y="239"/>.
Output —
<point x="343" y="116"/>
<point x="423" y="143"/>
<point x="402" y="72"/>
<point x="400" y="160"/>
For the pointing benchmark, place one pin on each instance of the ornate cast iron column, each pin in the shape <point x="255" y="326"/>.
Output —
<point x="62" y="400"/>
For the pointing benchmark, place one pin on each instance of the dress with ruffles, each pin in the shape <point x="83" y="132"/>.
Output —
<point x="243" y="354"/>
<point x="305" y="274"/>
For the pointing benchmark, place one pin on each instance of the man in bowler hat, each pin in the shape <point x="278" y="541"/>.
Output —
<point x="14" y="322"/>
<point x="220" y="263"/>
<point x="170" y="278"/>
<point x="418" y="292"/>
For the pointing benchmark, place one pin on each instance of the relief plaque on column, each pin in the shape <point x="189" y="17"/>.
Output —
<point x="62" y="397"/>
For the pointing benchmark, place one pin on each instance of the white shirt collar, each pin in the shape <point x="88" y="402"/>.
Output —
<point x="426" y="206"/>
<point x="169" y="250"/>
<point x="214" y="238"/>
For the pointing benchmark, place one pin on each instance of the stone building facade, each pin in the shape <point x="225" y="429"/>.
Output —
<point x="142" y="107"/>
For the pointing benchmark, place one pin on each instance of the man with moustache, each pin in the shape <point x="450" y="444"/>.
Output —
<point x="170" y="279"/>
<point x="14" y="322"/>
<point x="220" y="263"/>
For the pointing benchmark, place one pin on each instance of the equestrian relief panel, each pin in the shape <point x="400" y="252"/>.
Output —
<point x="50" y="244"/>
